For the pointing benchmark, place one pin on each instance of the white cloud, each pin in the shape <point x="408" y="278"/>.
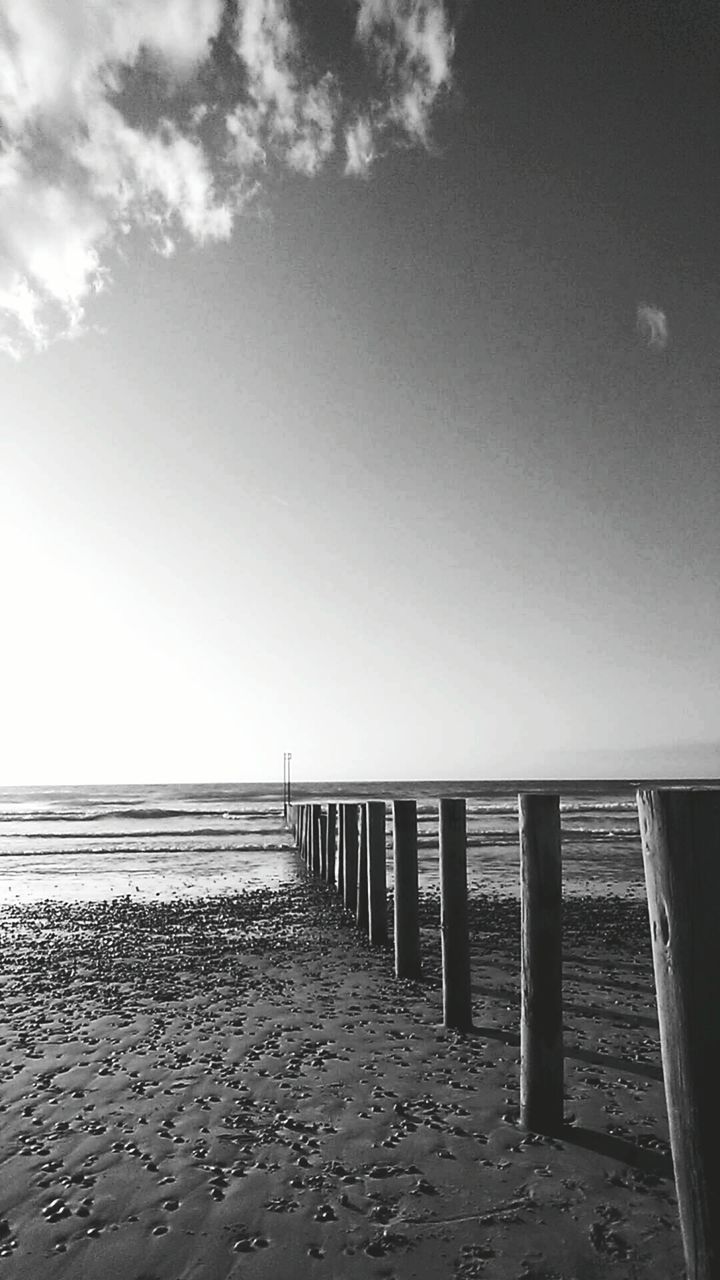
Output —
<point x="21" y="305"/>
<point x="71" y="170"/>
<point x="77" y="172"/>
<point x="49" y="235"/>
<point x="152" y="177"/>
<point x="652" y="324"/>
<point x="413" y="43"/>
<point x="296" y="120"/>
<point x="56" y="55"/>
<point x="359" y="147"/>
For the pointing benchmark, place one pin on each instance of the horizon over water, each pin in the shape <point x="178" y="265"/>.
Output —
<point x="197" y="840"/>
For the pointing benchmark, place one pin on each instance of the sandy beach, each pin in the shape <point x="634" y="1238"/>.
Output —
<point x="240" y="1087"/>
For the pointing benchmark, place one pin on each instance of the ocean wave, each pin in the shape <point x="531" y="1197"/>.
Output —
<point x="570" y="835"/>
<point x="478" y="808"/>
<point x="594" y="806"/>
<point x="146" y="849"/>
<point x="150" y="834"/>
<point x="101" y="813"/>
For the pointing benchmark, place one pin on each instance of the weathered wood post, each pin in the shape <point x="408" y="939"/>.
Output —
<point x="350" y="837"/>
<point x="457" y="998"/>
<point x="315" y="839"/>
<point x="323" y="843"/>
<point x="303" y="832"/>
<point x="680" y="833"/>
<point x="405" y="869"/>
<point x="377" y="883"/>
<point x="331" y="843"/>
<point x="361" y="906"/>
<point x="541" y="1018"/>
<point x="341" y="853"/>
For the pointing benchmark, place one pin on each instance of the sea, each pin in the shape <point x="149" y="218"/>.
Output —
<point x="165" y="841"/>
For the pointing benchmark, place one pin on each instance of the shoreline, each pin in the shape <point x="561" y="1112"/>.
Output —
<point x="239" y="1086"/>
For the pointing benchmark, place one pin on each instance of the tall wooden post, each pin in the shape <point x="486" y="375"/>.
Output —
<point x="405" y="868"/>
<point x="350" y="837"/>
<point x="341" y="852"/>
<point x="361" y="906"/>
<point x="541" y="1038"/>
<point x="457" y="998"/>
<point x="377" y="876"/>
<point x="680" y="833"/>
<point x="303" y="832"/>
<point x="315" y="839"/>
<point x="331" y="843"/>
<point x="323" y="843"/>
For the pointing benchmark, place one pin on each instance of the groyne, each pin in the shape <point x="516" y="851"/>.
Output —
<point x="343" y="843"/>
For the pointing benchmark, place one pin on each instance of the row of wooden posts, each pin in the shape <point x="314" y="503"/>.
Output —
<point x="343" y="844"/>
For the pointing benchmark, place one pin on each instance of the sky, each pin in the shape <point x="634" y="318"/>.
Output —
<point x="359" y="389"/>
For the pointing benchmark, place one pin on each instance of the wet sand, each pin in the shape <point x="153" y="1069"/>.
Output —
<point x="240" y="1087"/>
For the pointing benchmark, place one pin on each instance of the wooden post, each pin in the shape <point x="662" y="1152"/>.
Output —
<point x="350" y="836"/>
<point x="331" y="843"/>
<point x="303" y="832"/>
<point x="405" y="867"/>
<point x="361" y="906"/>
<point x="323" y="843"/>
<point x="315" y="839"/>
<point x="457" y="998"/>
<point x="680" y="833"/>
<point x="541" y="1019"/>
<point x="341" y="853"/>
<point x="377" y="882"/>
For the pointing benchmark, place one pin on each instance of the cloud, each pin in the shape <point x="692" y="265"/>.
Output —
<point x="73" y="173"/>
<point x="117" y="114"/>
<point x="359" y="147"/>
<point x="413" y="43"/>
<point x="652" y="324"/>
<point x="57" y="55"/>
<point x="155" y="178"/>
<point x="50" y="233"/>
<point x="296" y="121"/>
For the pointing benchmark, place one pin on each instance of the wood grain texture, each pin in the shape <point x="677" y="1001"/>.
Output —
<point x="341" y="852"/>
<point x="361" y="904"/>
<point x="331" y="872"/>
<point x="541" y="1039"/>
<point x="405" y="874"/>
<point x="680" y="834"/>
<point x="350" y="837"/>
<point x="323" y="843"/>
<point x="315" y="837"/>
<point x="454" y="930"/>
<point x="377" y="886"/>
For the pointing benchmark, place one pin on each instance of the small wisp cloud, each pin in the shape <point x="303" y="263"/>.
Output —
<point x="84" y="158"/>
<point x="652" y="325"/>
